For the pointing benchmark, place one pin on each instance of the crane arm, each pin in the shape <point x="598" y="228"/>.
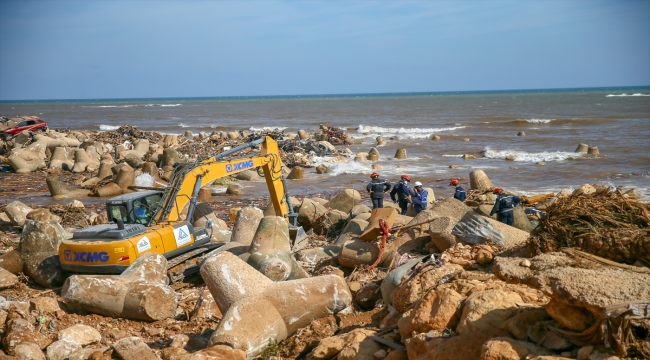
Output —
<point x="187" y="179"/>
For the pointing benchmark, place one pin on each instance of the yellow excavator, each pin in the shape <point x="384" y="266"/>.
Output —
<point x="155" y="220"/>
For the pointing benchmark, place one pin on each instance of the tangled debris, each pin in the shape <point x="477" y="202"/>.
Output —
<point x="607" y="223"/>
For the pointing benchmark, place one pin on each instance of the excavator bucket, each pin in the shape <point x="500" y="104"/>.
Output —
<point x="298" y="237"/>
<point x="373" y="231"/>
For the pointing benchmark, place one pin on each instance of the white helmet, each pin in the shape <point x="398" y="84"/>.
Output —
<point x="417" y="183"/>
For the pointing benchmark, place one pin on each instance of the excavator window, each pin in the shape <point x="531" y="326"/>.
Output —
<point x="145" y="207"/>
<point x="118" y="212"/>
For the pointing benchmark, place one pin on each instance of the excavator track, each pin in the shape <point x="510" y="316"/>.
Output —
<point x="182" y="266"/>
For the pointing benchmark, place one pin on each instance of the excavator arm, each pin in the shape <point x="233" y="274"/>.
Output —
<point x="187" y="179"/>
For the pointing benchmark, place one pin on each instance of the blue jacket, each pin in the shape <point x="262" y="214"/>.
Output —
<point x="378" y="188"/>
<point x="420" y="198"/>
<point x="402" y="190"/>
<point x="505" y="202"/>
<point x="460" y="194"/>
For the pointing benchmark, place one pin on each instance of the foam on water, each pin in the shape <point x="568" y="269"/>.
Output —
<point x="539" y="121"/>
<point x="406" y="133"/>
<point x="108" y="127"/>
<point x="388" y="171"/>
<point x="267" y="128"/>
<point x="525" y="156"/>
<point x="350" y="168"/>
<point x="624" y="94"/>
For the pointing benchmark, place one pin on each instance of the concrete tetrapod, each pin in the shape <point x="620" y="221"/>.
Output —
<point x="270" y="252"/>
<point x="257" y="310"/>
<point x="140" y="292"/>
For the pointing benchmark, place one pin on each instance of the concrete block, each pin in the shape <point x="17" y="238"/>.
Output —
<point x="140" y="292"/>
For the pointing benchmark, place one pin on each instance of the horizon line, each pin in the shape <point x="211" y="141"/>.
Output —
<point x="336" y="95"/>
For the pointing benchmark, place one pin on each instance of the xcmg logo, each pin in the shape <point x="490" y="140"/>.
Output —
<point x="239" y="166"/>
<point x="85" y="256"/>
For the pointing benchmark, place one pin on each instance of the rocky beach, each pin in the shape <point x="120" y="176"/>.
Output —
<point x="569" y="280"/>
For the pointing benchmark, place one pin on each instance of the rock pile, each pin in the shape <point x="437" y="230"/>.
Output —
<point x="450" y="283"/>
<point x="114" y="161"/>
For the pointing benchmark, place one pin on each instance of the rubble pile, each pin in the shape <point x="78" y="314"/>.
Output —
<point x="449" y="283"/>
<point x="607" y="223"/>
<point x="111" y="161"/>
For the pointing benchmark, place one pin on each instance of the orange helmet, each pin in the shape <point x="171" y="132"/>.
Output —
<point x="454" y="182"/>
<point x="374" y="174"/>
<point x="497" y="190"/>
<point x="406" y="177"/>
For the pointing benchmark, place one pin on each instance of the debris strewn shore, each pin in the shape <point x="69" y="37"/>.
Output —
<point x="570" y="279"/>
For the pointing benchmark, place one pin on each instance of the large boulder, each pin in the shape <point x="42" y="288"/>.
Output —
<point x="436" y="311"/>
<point x="486" y="309"/>
<point x="39" y="248"/>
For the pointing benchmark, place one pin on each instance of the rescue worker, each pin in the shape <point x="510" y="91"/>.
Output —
<point x="460" y="193"/>
<point x="403" y="192"/>
<point x="377" y="187"/>
<point x="504" y="206"/>
<point x="419" y="198"/>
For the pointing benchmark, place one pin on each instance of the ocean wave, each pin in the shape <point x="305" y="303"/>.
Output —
<point x="624" y="94"/>
<point x="184" y="126"/>
<point x="404" y="133"/>
<point x="525" y="156"/>
<point x="539" y="121"/>
<point x="267" y="128"/>
<point x="108" y="127"/>
<point x="453" y="155"/>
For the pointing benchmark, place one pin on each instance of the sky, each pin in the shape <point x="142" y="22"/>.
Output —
<point x="144" y="49"/>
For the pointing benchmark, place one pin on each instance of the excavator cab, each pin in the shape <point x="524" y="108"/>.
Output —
<point x="134" y="208"/>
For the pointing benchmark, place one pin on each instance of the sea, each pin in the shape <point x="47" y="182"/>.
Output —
<point x="485" y="124"/>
